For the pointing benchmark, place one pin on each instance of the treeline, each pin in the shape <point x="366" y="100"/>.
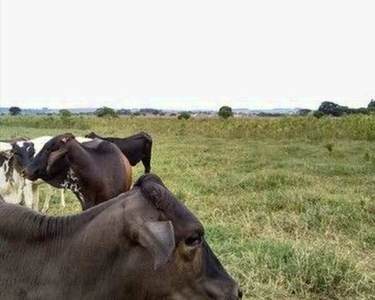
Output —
<point x="328" y="108"/>
<point x="224" y="112"/>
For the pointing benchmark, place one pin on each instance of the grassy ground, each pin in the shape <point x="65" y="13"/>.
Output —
<point x="290" y="217"/>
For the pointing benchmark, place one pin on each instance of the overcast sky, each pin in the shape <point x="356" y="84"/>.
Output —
<point x="187" y="54"/>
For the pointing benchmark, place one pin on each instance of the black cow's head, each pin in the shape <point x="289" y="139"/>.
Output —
<point x="23" y="155"/>
<point x="49" y="159"/>
<point x="180" y="264"/>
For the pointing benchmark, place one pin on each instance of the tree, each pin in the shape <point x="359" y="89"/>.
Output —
<point x="124" y="112"/>
<point x="184" y="115"/>
<point x="14" y="111"/>
<point x="371" y="105"/>
<point x="225" y="112"/>
<point x="106" y="112"/>
<point x="304" y="111"/>
<point x="65" y="113"/>
<point x="148" y="111"/>
<point x="330" y="108"/>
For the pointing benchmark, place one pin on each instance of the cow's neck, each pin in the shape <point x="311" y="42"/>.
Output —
<point x="73" y="183"/>
<point x="78" y="156"/>
<point x="80" y="163"/>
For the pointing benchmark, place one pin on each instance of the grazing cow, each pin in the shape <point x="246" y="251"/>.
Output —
<point x="141" y="245"/>
<point x="136" y="147"/>
<point x="95" y="171"/>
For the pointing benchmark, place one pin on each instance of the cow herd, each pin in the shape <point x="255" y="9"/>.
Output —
<point x="131" y="242"/>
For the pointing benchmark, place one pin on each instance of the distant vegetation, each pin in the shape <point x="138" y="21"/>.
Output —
<point x="351" y="127"/>
<point x="124" y="112"/>
<point x="14" y="111"/>
<point x="336" y="110"/>
<point x="106" y="112"/>
<point x="184" y="115"/>
<point x="225" y="112"/>
<point x="326" y="108"/>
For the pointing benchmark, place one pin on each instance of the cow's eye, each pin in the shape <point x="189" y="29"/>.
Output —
<point x="193" y="240"/>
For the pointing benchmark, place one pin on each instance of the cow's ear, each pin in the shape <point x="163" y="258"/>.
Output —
<point x="158" y="238"/>
<point x="67" y="137"/>
<point x="55" y="156"/>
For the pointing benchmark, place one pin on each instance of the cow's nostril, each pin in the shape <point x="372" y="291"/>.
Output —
<point x="240" y="294"/>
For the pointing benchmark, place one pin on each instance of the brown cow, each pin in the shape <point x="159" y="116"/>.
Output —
<point x="142" y="245"/>
<point x="95" y="171"/>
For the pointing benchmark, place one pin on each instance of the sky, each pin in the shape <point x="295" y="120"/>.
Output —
<point x="187" y="54"/>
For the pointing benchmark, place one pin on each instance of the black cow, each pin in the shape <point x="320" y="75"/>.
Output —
<point x="142" y="245"/>
<point x="136" y="147"/>
<point x="95" y="171"/>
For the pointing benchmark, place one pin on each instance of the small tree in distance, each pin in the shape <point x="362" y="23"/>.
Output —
<point x="331" y="108"/>
<point x="184" y="115"/>
<point x="225" y="112"/>
<point x="106" y="112"/>
<point x="14" y="110"/>
<point x="65" y="113"/>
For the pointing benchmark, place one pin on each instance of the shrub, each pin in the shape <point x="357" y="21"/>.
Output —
<point x="65" y="113"/>
<point x="304" y="111"/>
<point x="225" y="112"/>
<point x="106" y="112"/>
<point x="124" y="112"/>
<point x="184" y="115"/>
<point x="318" y="114"/>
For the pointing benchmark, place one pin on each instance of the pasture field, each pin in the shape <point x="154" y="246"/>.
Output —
<point x="288" y="203"/>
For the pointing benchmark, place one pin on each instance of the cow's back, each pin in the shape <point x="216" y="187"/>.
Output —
<point x="44" y="257"/>
<point x="113" y="171"/>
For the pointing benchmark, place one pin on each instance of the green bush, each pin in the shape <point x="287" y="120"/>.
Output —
<point x="106" y="112"/>
<point x="225" y="112"/>
<point x="318" y="114"/>
<point x="184" y="115"/>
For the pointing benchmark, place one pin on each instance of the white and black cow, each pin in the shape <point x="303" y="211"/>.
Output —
<point x="141" y="245"/>
<point x="13" y="187"/>
<point x="11" y="181"/>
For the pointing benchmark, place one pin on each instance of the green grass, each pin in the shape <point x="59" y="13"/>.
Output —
<point x="289" y="218"/>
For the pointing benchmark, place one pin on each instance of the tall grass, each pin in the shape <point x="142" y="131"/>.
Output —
<point x="355" y="127"/>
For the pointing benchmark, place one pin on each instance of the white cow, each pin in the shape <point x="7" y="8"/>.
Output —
<point x="11" y="182"/>
<point x="13" y="185"/>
